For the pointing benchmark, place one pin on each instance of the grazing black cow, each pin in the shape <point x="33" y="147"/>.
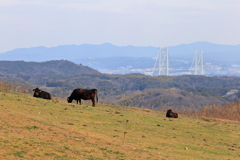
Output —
<point x="171" y="114"/>
<point x="41" y="94"/>
<point x="84" y="94"/>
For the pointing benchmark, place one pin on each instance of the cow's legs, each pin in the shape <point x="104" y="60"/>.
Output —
<point x="93" y="102"/>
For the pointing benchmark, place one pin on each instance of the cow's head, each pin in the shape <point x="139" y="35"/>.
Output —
<point x="37" y="92"/>
<point x="169" y="111"/>
<point x="36" y="89"/>
<point x="69" y="100"/>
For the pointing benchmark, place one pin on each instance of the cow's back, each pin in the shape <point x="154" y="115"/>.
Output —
<point x="46" y="95"/>
<point x="76" y="92"/>
<point x="86" y="93"/>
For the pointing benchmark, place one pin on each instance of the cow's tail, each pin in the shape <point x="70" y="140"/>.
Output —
<point x="96" y="95"/>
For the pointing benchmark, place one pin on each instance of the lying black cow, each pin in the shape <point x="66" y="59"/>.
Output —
<point x="84" y="94"/>
<point x="41" y="94"/>
<point x="171" y="114"/>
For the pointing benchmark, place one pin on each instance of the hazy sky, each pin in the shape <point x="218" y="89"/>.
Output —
<point x="49" y="23"/>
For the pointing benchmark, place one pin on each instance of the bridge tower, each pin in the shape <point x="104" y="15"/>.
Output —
<point x="197" y="64"/>
<point x="162" y="64"/>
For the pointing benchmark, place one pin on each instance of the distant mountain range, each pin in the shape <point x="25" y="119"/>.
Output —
<point x="109" y="56"/>
<point x="70" y="52"/>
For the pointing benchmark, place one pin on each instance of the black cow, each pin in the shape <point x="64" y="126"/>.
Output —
<point x="41" y="94"/>
<point x="84" y="94"/>
<point x="171" y="114"/>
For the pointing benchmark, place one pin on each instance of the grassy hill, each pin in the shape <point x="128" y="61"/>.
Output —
<point x="33" y="128"/>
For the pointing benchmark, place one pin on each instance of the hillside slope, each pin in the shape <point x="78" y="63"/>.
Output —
<point x="33" y="128"/>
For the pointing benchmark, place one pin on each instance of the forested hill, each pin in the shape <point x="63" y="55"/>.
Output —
<point x="50" y="67"/>
<point x="60" y="78"/>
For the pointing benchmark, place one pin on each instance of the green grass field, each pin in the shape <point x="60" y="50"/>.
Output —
<point x="33" y="128"/>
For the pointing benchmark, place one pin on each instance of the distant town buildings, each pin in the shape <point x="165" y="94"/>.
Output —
<point x="232" y="91"/>
<point x="209" y="70"/>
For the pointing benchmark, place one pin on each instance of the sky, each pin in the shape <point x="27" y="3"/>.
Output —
<point x="157" y="23"/>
